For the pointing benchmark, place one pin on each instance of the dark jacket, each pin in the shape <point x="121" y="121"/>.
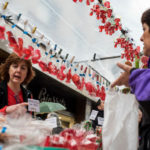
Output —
<point x="4" y="95"/>
<point x="95" y="122"/>
<point x="144" y="127"/>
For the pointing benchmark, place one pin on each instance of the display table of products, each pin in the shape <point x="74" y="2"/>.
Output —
<point x="22" y="132"/>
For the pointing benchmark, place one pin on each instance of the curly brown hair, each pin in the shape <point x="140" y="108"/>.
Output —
<point x="13" y="58"/>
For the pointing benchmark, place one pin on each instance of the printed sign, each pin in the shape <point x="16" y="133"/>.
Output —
<point x="93" y="114"/>
<point x="33" y="105"/>
<point x="100" y="121"/>
<point x="52" y="122"/>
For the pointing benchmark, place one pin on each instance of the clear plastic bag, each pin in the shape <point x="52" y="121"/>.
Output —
<point x="120" y="128"/>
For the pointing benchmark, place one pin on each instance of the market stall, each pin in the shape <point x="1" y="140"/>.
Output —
<point x="74" y="78"/>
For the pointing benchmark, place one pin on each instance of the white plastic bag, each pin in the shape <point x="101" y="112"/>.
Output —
<point x="120" y="128"/>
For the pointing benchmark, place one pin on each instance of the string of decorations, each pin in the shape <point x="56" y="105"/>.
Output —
<point x="49" y="58"/>
<point x="110" y="24"/>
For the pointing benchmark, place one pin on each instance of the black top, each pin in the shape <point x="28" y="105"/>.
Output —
<point x="4" y="95"/>
<point x="95" y="122"/>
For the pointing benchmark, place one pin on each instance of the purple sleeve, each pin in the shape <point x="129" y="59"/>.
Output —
<point x="139" y="82"/>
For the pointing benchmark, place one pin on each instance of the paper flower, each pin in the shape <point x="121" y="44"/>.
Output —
<point x="36" y="56"/>
<point x="28" y="52"/>
<point x="69" y="76"/>
<point x="61" y="75"/>
<point x="43" y="66"/>
<point x="2" y="33"/>
<point x="11" y="39"/>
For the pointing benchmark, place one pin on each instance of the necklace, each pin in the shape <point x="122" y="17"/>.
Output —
<point x="16" y="96"/>
<point x="17" y="99"/>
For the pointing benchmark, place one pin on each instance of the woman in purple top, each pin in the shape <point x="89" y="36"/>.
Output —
<point x="139" y="82"/>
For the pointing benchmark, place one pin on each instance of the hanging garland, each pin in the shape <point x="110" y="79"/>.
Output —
<point x="104" y="13"/>
<point x="110" y="24"/>
<point x="129" y="51"/>
<point x="51" y="67"/>
<point x="93" y="83"/>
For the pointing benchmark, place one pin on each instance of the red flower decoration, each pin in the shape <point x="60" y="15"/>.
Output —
<point x="69" y="76"/>
<point x="36" y="56"/>
<point x="18" y="48"/>
<point x="87" y="2"/>
<point x="101" y="28"/>
<point x="103" y="15"/>
<point x="109" y="13"/>
<point x="82" y="84"/>
<point x="98" y="91"/>
<point x="107" y="4"/>
<point x="77" y="82"/>
<point x="43" y="65"/>
<point x="2" y="33"/>
<point x="61" y="74"/>
<point x="129" y="51"/>
<point x="117" y="21"/>
<point x="103" y="94"/>
<point x="90" y="88"/>
<point x="76" y="79"/>
<point x="28" y="52"/>
<point x="54" y="70"/>
<point x="49" y="69"/>
<point x="11" y="39"/>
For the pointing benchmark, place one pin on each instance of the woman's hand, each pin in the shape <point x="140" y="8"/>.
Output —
<point x="140" y="116"/>
<point x="124" y="77"/>
<point x="13" y="108"/>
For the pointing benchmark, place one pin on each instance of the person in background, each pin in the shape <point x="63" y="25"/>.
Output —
<point x="14" y="73"/>
<point x="99" y="118"/>
<point x="58" y="128"/>
<point x="139" y="82"/>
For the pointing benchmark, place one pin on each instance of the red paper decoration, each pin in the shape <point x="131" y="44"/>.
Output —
<point x="61" y="75"/>
<point x="107" y="4"/>
<point x="28" y="52"/>
<point x="49" y="69"/>
<point x="87" y="1"/>
<point x="103" y="94"/>
<point x="76" y="79"/>
<point x="103" y="15"/>
<point x="18" y="48"/>
<point x="90" y="88"/>
<point x="11" y="39"/>
<point x="54" y="70"/>
<point x="36" y="56"/>
<point x="2" y="33"/>
<point x="43" y="66"/>
<point x="129" y="52"/>
<point x="69" y="76"/>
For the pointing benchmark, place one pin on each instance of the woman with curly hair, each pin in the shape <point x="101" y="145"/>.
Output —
<point x="14" y="73"/>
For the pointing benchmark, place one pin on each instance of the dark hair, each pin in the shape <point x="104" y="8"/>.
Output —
<point x="13" y="58"/>
<point x="146" y="17"/>
<point x="96" y="104"/>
